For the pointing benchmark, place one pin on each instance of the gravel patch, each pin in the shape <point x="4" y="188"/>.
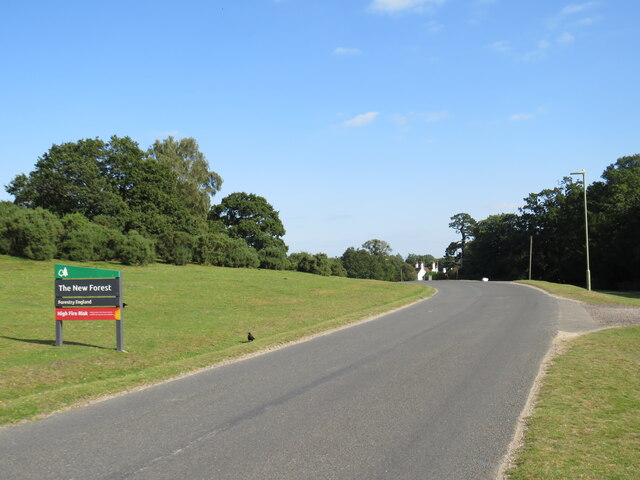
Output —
<point x="614" y="315"/>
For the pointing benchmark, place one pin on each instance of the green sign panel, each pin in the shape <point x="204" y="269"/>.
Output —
<point x="69" y="271"/>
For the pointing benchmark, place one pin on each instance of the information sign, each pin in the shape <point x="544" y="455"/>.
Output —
<point x="87" y="288"/>
<point x="69" y="271"/>
<point x="83" y="293"/>
<point x="88" y="313"/>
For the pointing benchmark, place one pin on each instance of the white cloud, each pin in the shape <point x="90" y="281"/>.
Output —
<point x="346" y="51"/>
<point x="565" y="37"/>
<point x="435" y="116"/>
<point x="571" y="9"/>
<point x="500" y="46"/>
<point x="396" y="6"/>
<point x="361" y="120"/>
<point x="518" y="117"/>
<point x="543" y="44"/>
<point x="434" y="27"/>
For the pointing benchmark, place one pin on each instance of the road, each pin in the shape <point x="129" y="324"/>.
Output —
<point x="431" y="391"/>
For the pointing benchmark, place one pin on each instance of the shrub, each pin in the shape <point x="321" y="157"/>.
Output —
<point x="176" y="247"/>
<point x="220" y="250"/>
<point x="273" y="258"/>
<point x="136" y="249"/>
<point x="239" y="254"/>
<point x="337" y="269"/>
<point x="318" y="264"/>
<point x="8" y="211"/>
<point x="84" y="240"/>
<point x="29" y="233"/>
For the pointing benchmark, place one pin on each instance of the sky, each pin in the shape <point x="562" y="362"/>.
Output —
<point x="355" y="119"/>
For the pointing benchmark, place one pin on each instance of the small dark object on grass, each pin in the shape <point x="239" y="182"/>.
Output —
<point x="250" y="337"/>
<point x="124" y="305"/>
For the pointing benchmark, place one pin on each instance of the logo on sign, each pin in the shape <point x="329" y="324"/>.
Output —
<point x="63" y="272"/>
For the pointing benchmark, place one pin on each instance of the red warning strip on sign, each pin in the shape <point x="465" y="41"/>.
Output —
<point x="88" y="313"/>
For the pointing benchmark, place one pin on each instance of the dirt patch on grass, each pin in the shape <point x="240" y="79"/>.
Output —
<point x="614" y="315"/>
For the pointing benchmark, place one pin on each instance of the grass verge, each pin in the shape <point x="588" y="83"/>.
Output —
<point x="586" y="424"/>
<point x="179" y="319"/>
<point x="583" y="295"/>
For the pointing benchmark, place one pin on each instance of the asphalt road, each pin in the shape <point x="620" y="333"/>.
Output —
<point x="432" y="391"/>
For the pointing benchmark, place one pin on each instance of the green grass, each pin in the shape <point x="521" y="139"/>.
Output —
<point x="583" y="295"/>
<point x="178" y="319"/>
<point x="587" y="422"/>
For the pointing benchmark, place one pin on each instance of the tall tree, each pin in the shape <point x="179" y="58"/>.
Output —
<point x="614" y="206"/>
<point x="499" y="250"/>
<point x="377" y="247"/>
<point x="251" y="218"/>
<point x="465" y="225"/>
<point x="196" y="182"/>
<point x="69" y="179"/>
<point x="106" y="179"/>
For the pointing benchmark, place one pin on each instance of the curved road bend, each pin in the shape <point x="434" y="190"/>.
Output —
<point x="432" y="391"/>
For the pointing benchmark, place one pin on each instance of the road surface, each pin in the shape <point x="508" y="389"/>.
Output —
<point x="432" y="391"/>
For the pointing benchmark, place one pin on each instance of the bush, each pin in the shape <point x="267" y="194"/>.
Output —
<point x="7" y="212"/>
<point x="318" y="264"/>
<point x="239" y="254"/>
<point x="84" y="240"/>
<point x="176" y="247"/>
<point x="273" y="258"/>
<point x="208" y="249"/>
<point x="29" y="233"/>
<point x="337" y="269"/>
<point x="136" y="249"/>
<point x="220" y="250"/>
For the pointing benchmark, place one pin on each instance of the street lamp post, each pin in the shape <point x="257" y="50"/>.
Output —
<point x="586" y="224"/>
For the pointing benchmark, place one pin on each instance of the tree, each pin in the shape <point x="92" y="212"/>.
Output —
<point x="463" y="224"/>
<point x="379" y="248"/>
<point x="112" y="179"/>
<point x="251" y="218"/>
<point x="196" y="183"/>
<point x="360" y="264"/>
<point x="500" y="249"/>
<point x="614" y="221"/>
<point x="555" y="219"/>
<point x="69" y="179"/>
<point x="408" y="272"/>
<point x="414" y="259"/>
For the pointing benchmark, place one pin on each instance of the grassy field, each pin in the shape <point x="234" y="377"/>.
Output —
<point x="178" y="319"/>
<point x="587" y="422"/>
<point x="583" y="295"/>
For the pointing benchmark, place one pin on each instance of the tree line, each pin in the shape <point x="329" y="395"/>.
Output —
<point x="95" y="200"/>
<point x="549" y="233"/>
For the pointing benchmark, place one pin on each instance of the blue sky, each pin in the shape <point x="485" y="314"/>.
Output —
<point x="355" y="119"/>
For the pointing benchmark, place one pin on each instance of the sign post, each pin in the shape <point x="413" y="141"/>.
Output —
<point x="83" y="293"/>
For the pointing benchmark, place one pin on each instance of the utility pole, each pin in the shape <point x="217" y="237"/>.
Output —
<point x="530" y="254"/>
<point x="586" y="223"/>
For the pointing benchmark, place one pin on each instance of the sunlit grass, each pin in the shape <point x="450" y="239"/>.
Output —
<point x="583" y="295"/>
<point x="587" y="422"/>
<point x="178" y="319"/>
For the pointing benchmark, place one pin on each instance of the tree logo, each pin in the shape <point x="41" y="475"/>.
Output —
<point x="63" y="272"/>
